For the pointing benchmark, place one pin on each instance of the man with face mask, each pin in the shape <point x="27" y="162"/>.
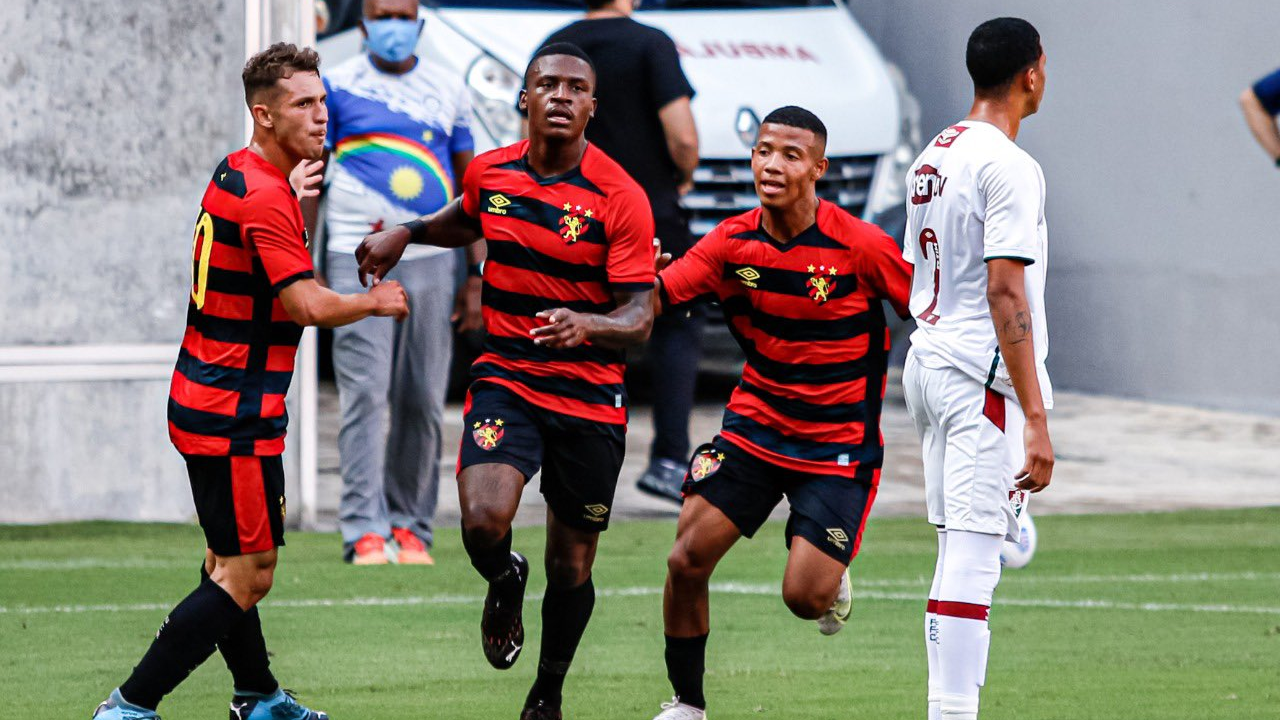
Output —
<point x="398" y="144"/>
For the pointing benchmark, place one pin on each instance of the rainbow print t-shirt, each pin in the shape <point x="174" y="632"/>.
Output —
<point x="391" y="139"/>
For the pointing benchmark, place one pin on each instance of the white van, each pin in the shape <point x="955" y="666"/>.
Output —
<point x="744" y="58"/>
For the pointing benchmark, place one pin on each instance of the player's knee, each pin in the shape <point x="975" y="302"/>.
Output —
<point x="804" y="603"/>
<point x="685" y="565"/>
<point x="566" y="573"/>
<point x="485" y="528"/>
<point x="260" y="583"/>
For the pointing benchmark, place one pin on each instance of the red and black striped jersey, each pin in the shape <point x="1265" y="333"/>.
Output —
<point x="568" y="241"/>
<point x="236" y="361"/>
<point x="807" y="314"/>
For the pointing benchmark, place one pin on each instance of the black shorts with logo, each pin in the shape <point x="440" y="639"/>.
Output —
<point x="829" y="511"/>
<point x="239" y="501"/>
<point x="580" y="459"/>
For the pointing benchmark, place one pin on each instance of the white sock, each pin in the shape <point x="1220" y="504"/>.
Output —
<point x="970" y="572"/>
<point x="931" y="632"/>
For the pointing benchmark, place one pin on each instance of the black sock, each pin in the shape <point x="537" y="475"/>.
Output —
<point x="686" y="663"/>
<point x="490" y="561"/>
<point x="565" y="613"/>
<point x="185" y="640"/>
<point x="245" y="652"/>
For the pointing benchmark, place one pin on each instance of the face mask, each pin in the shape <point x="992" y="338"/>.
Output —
<point x="392" y="39"/>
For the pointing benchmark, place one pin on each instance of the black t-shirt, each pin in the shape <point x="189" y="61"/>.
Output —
<point x="638" y="72"/>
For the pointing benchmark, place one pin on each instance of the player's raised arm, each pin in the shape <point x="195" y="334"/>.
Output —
<point x="451" y="226"/>
<point x="884" y="269"/>
<point x="310" y="303"/>
<point x="693" y="275"/>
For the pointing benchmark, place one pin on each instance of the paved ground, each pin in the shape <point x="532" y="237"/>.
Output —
<point x="1113" y="456"/>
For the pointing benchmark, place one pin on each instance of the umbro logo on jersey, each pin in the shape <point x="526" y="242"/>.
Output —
<point x="837" y="537"/>
<point x="948" y="136"/>
<point x="927" y="185"/>
<point x="498" y="204"/>
<point x="749" y="276"/>
<point x="596" y="512"/>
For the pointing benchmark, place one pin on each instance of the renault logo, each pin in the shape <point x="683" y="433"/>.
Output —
<point x="747" y="125"/>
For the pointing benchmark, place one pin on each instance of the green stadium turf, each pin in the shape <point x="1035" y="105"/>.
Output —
<point x="1130" y="617"/>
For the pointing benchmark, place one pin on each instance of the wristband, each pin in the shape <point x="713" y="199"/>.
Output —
<point x="417" y="231"/>
<point x="476" y="270"/>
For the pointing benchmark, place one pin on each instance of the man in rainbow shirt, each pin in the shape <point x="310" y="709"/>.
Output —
<point x="399" y="142"/>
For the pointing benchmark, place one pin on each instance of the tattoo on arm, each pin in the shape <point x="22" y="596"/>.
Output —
<point x="1017" y="329"/>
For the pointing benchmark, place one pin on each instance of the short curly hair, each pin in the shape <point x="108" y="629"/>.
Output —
<point x="281" y="60"/>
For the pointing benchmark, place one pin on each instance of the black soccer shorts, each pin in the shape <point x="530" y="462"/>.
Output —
<point x="829" y="511"/>
<point x="580" y="459"/>
<point x="239" y="501"/>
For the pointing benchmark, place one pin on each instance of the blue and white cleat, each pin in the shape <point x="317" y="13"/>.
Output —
<point x="116" y="708"/>
<point x="280" y="706"/>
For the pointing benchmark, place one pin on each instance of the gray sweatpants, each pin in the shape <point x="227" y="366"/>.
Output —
<point x="391" y="385"/>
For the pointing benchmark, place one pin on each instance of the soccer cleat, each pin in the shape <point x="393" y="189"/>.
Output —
<point x="676" y="710"/>
<point x="282" y="705"/>
<point x="834" y="619"/>
<point x="370" y="549"/>
<point x="412" y="551"/>
<point x="663" y="479"/>
<point x="502" y="625"/>
<point x="540" y="711"/>
<point x="116" y="707"/>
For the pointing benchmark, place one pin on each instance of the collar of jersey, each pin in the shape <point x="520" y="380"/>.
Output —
<point x="793" y="242"/>
<point x="575" y="171"/>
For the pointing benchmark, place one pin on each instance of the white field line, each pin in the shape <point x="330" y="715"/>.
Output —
<point x="1013" y="576"/>
<point x="725" y="588"/>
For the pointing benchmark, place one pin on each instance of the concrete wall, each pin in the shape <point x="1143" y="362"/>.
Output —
<point x="114" y="116"/>
<point x="1163" y="214"/>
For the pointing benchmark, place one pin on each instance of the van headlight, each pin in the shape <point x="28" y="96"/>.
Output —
<point x="889" y="191"/>
<point x="494" y="89"/>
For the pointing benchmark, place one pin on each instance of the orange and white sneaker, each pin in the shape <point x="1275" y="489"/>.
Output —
<point x="412" y="550"/>
<point x="370" y="549"/>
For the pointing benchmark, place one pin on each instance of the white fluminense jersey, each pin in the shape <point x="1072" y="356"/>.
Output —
<point x="973" y="196"/>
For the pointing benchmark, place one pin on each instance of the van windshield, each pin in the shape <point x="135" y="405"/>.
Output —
<point x="645" y="5"/>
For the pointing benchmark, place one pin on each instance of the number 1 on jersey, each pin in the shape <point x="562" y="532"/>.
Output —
<point x="929" y="238"/>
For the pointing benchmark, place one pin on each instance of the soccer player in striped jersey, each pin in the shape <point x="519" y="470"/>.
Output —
<point x="800" y="281"/>
<point x="252" y="290"/>
<point x="567" y="285"/>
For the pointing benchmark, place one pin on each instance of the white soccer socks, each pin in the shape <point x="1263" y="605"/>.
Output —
<point x="970" y="570"/>
<point x="931" y="632"/>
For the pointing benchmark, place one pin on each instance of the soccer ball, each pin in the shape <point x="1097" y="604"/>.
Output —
<point x="1019" y="554"/>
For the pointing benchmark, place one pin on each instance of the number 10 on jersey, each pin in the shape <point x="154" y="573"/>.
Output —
<point x="929" y="239"/>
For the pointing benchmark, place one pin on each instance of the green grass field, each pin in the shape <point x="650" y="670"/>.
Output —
<point x="1132" y="617"/>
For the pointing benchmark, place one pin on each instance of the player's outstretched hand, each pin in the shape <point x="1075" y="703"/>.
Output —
<point x="1037" y="471"/>
<point x="564" y="329"/>
<point x="305" y="178"/>
<point x="391" y="300"/>
<point x="660" y="259"/>
<point x="379" y="252"/>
